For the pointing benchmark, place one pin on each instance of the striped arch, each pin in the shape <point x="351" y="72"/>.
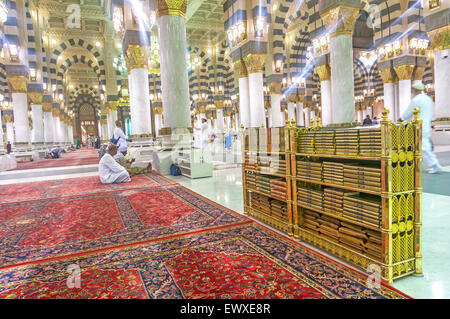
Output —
<point x="361" y="77"/>
<point x="199" y="77"/>
<point x="287" y="12"/>
<point x="375" y="80"/>
<point x="97" y="56"/>
<point x="66" y="63"/>
<point x="84" y="89"/>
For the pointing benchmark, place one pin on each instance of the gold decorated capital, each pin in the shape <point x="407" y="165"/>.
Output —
<point x="275" y="87"/>
<point x="55" y="112"/>
<point x="387" y="75"/>
<point x="404" y="72"/>
<point x="8" y="118"/>
<point x="35" y="97"/>
<point x="113" y="105"/>
<point x="61" y="117"/>
<point x="324" y="72"/>
<point x="202" y="109"/>
<point x="18" y="83"/>
<point x="219" y="104"/>
<point x="46" y="106"/>
<point x="171" y="7"/>
<point x="255" y="63"/>
<point x="158" y="110"/>
<point x="340" y="20"/>
<point x="440" y="38"/>
<point x="241" y="69"/>
<point x="136" y="57"/>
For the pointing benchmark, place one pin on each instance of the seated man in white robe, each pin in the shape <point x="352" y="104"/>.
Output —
<point x="110" y="171"/>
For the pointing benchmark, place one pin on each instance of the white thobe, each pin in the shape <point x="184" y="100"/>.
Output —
<point x="112" y="172"/>
<point x="122" y="143"/>
<point x="426" y="105"/>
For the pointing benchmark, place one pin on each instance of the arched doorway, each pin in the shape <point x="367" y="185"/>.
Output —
<point x="87" y="125"/>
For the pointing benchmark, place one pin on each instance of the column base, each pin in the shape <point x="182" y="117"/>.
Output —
<point x="24" y="152"/>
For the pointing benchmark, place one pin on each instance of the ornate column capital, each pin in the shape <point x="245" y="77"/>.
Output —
<point x="113" y="105"/>
<point x="8" y="118"/>
<point x="158" y="110"/>
<point x="440" y="38"/>
<point x="275" y="87"/>
<point x="35" y="97"/>
<point x="255" y="62"/>
<point x="55" y="112"/>
<point x="241" y="68"/>
<point x="136" y="57"/>
<point x="404" y="72"/>
<point x="18" y="83"/>
<point x="387" y="75"/>
<point x="201" y="109"/>
<point x="46" y="106"/>
<point x="340" y="20"/>
<point x="171" y="7"/>
<point x="324" y="72"/>
<point x="219" y="104"/>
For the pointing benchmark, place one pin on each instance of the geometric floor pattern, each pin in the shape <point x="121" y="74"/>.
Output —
<point x="155" y="240"/>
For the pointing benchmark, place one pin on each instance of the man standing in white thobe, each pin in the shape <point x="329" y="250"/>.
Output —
<point x="204" y="133"/>
<point x="110" y="171"/>
<point x="426" y="106"/>
<point x="121" y="137"/>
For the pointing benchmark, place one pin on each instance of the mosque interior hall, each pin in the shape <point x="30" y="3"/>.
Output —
<point x="198" y="149"/>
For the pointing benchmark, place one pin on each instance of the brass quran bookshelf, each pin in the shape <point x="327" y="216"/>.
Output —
<point x="352" y="191"/>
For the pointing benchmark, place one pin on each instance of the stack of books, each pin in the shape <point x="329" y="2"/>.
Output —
<point x="363" y="208"/>
<point x="309" y="170"/>
<point x="333" y="173"/>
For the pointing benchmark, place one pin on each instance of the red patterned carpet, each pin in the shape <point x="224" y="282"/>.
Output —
<point x="161" y="241"/>
<point x="76" y="158"/>
<point x="73" y="186"/>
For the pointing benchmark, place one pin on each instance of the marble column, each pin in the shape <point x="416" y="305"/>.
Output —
<point x="244" y="95"/>
<point x="442" y="83"/>
<point x="158" y="110"/>
<point x="360" y="116"/>
<point x="109" y="123"/>
<point x="38" y="123"/>
<point x="20" y="109"/>
<point x="254" y="64"/>
<point x="227" y="121"/>
<point x="404" y="73"/>
<point x="291" y="111"/>
<point x="275" y="104"/>
<point x="396" y="100"/>
<point x="71" y="133"/>
<point x="138" y="90"/>
<point x="174" y="75"/>
<point x="388" y="76"/>
<point x="10" y="132"/>
<point x="2" y="140"/>
<point x="48" y="123"/>
<point x="324" y="72"/>
<point x="300" y="115"/>
<point x="307" y="116"/>
<point x="219" y="127"/>
<point x="340" y="20"/>
<point x="7" y="118"/>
